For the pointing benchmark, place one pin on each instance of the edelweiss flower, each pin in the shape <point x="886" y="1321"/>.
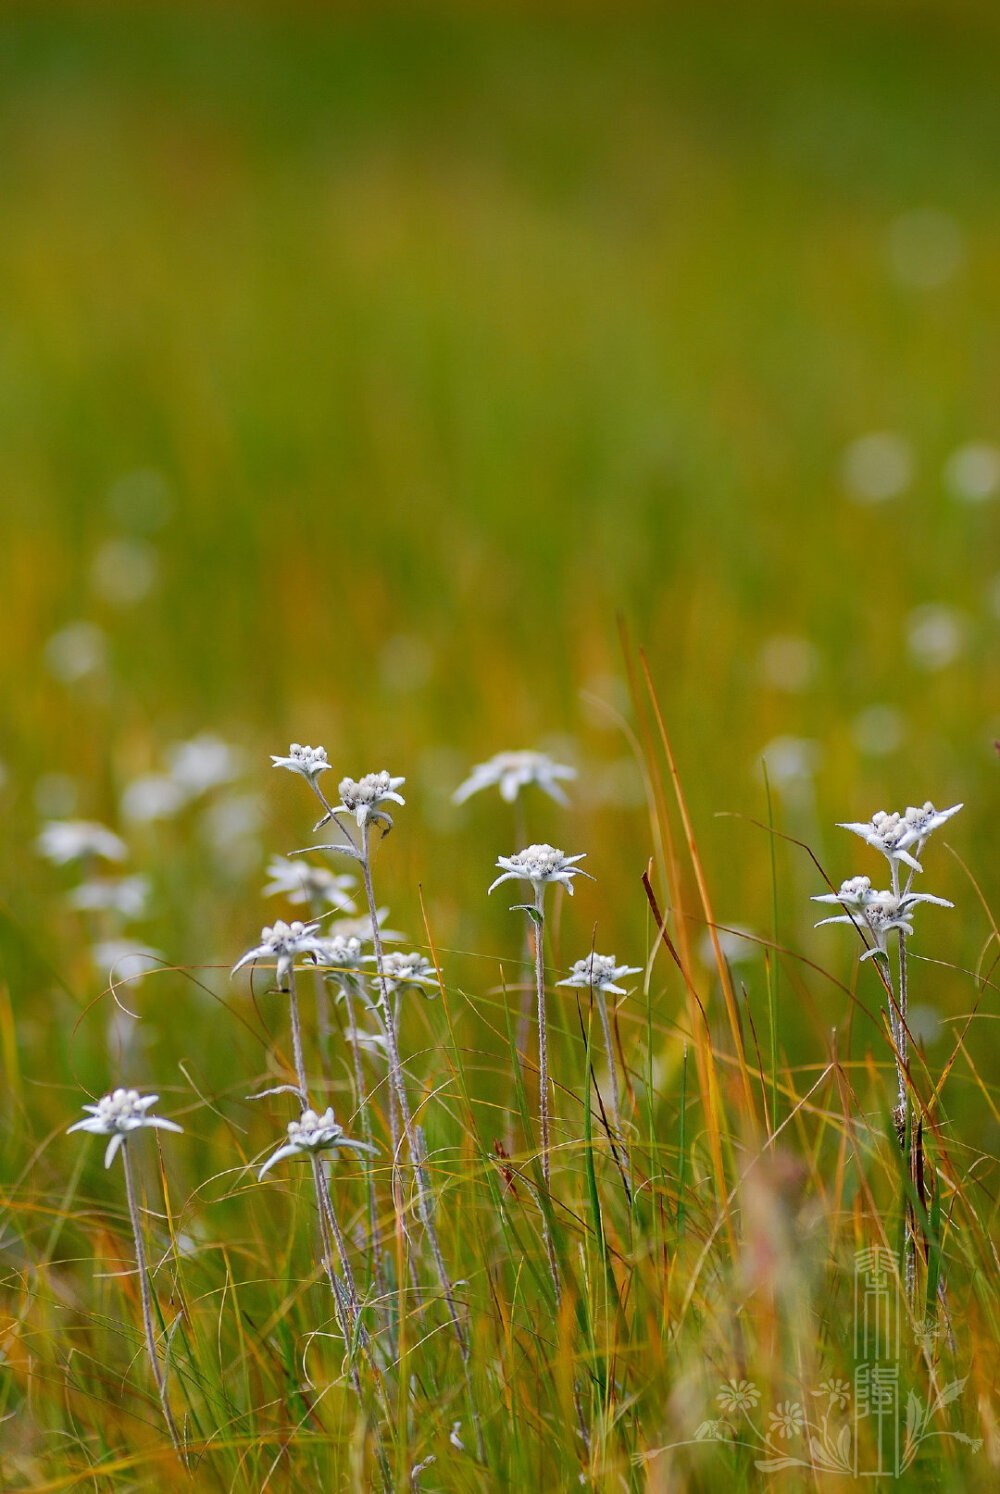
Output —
<point x="61" y="841"/>
<point x="309" y="761"/>
<point x="202" y="763"/>
<point x="314" y="1133"/>
<point x="375" y="1042"/>
<point x="363" y="797"/>
<point x="788" y="1419"/>
<point x="856" y="892"/>
<point x="923" y="821"/>
<point x="342" y="960"/>
<point x="540" y="865"/>
<point x="598" y="973"/>
<point x="401" y="970"/>
<point x="513" y="771"/>
<point x="300" y="882"/>
<point x="119" y="1114"/>
<point x="283" y="942"/>
<point x="152" y="796"/>
<point x="894" y="834"/>
<point x="738" y="1395"/>
<point x="361" y="928"/>
<point x="881" y="913"/>
<point x="125" y="961"/>
<point x="888" y="833"/>
<point x="127" y="896"/>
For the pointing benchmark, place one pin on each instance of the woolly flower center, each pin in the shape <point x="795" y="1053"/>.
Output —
<point x="598" y="968"/>
<point x="538" y="863"/>
<point x="283" y="936"/>
<point x="890" y="828"/>
<point x="121" y="1106"/>
<point x="311" y="759"/>
<point x="312" y="1129"/>
<point x="398" y="966"/>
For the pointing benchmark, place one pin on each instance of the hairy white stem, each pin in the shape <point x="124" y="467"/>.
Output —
<point x="159" y="1375"/>
<point x="399" y="1085"/>
<point x="543" y="1079"/>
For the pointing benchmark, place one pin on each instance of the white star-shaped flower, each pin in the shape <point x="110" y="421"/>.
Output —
<point x="205" y="762"/>
<point x="923" y="821"/>
<point x="61" y="841"/>
<point x="125" y="961"/>
<point x="895" y="834"/>
<point x="301" y="882"/>
<point x="284" y="943"/>
<point x="364" y="797"/>
<point x="361" y="928"/>
<point x="888" y="833"/>
<point x="513" y="771"/>
<point x="342" y="961"/>
<point x="599" y="973"/>
<point x="401" y="970"/>
<point x="124" y="895"/>
<point x="117" y="1115"/>
<point x="309" y="761"/>
<point x="540" y="865"/>
<point x="856" y="892"/>
<point x="314" y="1133"/>
<point x="881" y="912"/>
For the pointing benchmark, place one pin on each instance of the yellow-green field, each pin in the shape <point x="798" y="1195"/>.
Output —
<point x="433" y="380"/>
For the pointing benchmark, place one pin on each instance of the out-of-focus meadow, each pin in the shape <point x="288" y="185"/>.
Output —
<point x="365" y="371"/>
<point x="359" y="367"/>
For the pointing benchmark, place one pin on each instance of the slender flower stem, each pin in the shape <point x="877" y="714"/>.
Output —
<point x="398" y="1084"/>
<point x="347" y="1305"/>
<point x="346" y="1293"/>
<point x="300" y="1063"/>
<point x="375" y="1238"/>
<point x="602" y="1007"/>
<point x="902" y="1115"/>
<point x="159" y="1375"/>
<point x="543" y="1041"/>
<point x="543" y="1077"/>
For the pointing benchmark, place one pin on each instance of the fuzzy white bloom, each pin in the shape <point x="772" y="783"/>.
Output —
<point x="923" y="821"/>
<point x="119" y="1114"/>
<point x="364" y="797"/>
<point x="152" y="796"/>
<point x="301" y="882"/>
<point x="401" y="970"/>
<point x="61" y="841"/>
<point x="314" y="1133"/>
<point x="513" y="771"/>
<point x="361" y="928"/>
<point x="880" y="913"/>
<point x="205" y="762"/>
<point x="342" y="961"/>
<point x="540" y="865"/>
<point x="125" y="961"/>
<point x="125" y="895"/>
<point x="599" y="973"/>
<point x="309" y="761"/>
<point x="375" y="1042"/>
<point x="856" y="892"/>
<point x="284" y="943"/>
<point x="894" y="834"/>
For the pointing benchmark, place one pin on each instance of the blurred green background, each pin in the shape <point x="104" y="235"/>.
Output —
<point x="360" y="366"/>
